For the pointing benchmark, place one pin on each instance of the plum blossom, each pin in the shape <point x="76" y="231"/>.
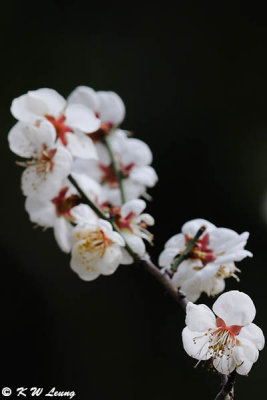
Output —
<point x="133" y="157"/>
<point x="132" y="223"/>
<point x="210" y="261"/>
<point x="47" y="165"/>
<point x="70" y="121"/>
<point x="107" y="106"/>
<point x="64" y="210"/>
<point x="229" y="338"/>
<point x="97" y="249"/>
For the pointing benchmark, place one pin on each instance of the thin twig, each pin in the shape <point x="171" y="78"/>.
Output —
<point x="189" y="247"/>
<point x="227" y="390"/>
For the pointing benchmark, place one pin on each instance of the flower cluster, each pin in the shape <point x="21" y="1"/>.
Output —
<point x="80" y="138"/>
<point x="210" y="261"/>
<point x="84" y="176"/>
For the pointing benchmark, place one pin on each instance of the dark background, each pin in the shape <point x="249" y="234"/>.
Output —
<point x="194" y="81"/>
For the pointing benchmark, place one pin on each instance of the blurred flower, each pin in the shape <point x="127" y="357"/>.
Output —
<point x="96" y="250"/>
<point x="64" y="210"/>
<point x="49" y="163"/>
<point x="132" y="223"/>
<point x="231" y="340"/>
<point x="107" y="106"/>
<point x="70" y="121"/>
<point x="133" y="157"/>
<point x="209" y="262"/>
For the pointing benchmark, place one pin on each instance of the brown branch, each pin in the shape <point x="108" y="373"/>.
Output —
<point x="163" y="278"/>
<point x="227" y="390"/>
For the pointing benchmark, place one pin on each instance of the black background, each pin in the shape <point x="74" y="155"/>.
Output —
<point x="194" y="81"/>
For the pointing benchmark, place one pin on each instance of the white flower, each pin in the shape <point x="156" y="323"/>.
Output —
<point x="96" y="250"/>
<point x="132" y="223"/>
<point x="107" y="106"/>
<point x="231" y="340"/>
<point x="64" y="210"/>
<point x="70" y="121"/>
<point x="210" y="261"/>
<point x="133" y="157"/>
<point x="49" y="163"/>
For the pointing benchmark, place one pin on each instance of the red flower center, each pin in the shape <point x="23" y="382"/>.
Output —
<point x="60" y="127"/>
<point x="115" y="215"/>
<point x="64" y="204"/>
<point x="201" y="250"/>
<point x="233" y="329"/>
<point x="103" y="131"/>
<point x="109" y="175"/>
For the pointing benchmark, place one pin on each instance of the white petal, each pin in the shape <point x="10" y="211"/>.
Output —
<point x="235" y="308"/>
<point x="186" y="270"/>
<point x="54" y="102"/>
<point x="87" y="167"/>
<point x="47" y="184"/>
<point x="34" y="184"/>
<point x="119" y="138"/>
<point x="103" y="154"/>
<point x="27" y="108"/>
<point x="245" y="355"/>
<point x="223" y="240"/>
<point x="135" y="242"/>
<point x="80" y="232"/>
<point x="62" y="163"/>
<point x="136" y="151"/>
<point x="105" y="226"/>
<point x="244" y="367"/>
<point x="208" y="272"/>
<point x="86" y="96"/>
<point x="27" y="140"/>
<point x="135" y="206"/>
<point x="111" y="260"/>
<point x="147" y="218"/>
<point x="192" y="288"/>
<point x="126" y="258"/>
<point x="40" y="211"/>
<point x="213" y="286"/>
<point x="145" y="175"/>
<point x="132" y="191"/>
<point x="81" y="117"/>
<point x="199" y="318"/>
<point x="233" y="255"/>
<point x="63" y="234"/>
<point x="176" y="241"/>
<point x="253" y="333"/>
<point x="112" y="109"/>
<point x="80" y="145"/>
<point x="196" y="344"/>
<point x="167" y="257"/>
<point x="224" y="364"/>
<point x="83" y="214"/>
<point x="191" y="227"/>
<point x="194" y="282"/>
<point x="90" y="187"/>
<point x="84" y="266"/>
